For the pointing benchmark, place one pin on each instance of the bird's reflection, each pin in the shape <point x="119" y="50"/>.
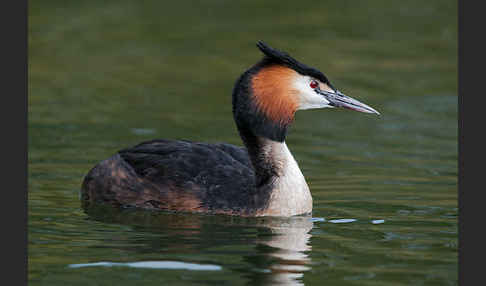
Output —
<point x="290" y="243"/>
<point x="279" y="246"/>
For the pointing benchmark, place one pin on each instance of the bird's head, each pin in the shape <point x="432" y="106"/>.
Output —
<point x="267" y="96"/>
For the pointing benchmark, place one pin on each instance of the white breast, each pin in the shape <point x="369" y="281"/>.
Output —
<point x="291" y="195"/>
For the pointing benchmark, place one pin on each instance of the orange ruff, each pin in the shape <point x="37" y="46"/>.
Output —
<point x="274" y="94"/>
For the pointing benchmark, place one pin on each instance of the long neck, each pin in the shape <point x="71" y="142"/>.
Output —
<point x="281" y="189"/>
<point x="261" y="155"/>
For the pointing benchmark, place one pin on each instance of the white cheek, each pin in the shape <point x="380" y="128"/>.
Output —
<point x="308" y="98"/>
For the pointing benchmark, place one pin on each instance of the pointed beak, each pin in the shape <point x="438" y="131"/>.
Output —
<point x="337" y="99"/>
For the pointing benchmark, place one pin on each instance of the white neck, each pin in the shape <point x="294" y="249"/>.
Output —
<point x="290" y="195"/>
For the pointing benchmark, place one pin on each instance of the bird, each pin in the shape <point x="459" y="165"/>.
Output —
<point x="261" y="178"/>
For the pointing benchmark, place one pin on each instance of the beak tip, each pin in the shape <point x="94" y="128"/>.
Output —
<point x="372" y="110"/>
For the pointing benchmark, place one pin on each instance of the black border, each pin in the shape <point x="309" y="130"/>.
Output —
<point x="13" y="23"/>
<point x="471" y="85"/>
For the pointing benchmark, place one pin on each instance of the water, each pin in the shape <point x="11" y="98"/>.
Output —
<point x="106" y="75"/>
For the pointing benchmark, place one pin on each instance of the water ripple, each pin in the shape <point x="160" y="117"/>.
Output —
<point x="153" y="265"/>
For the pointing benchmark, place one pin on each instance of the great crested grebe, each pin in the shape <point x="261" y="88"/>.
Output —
<point x="262" y="179"/>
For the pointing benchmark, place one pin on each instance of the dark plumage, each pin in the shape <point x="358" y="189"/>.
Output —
<point x="174" y="175"/>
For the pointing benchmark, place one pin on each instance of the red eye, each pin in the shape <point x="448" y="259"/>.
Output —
<point x="314" y="84"/>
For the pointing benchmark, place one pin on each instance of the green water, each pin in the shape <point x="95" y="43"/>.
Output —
<point x="105" y="75"/>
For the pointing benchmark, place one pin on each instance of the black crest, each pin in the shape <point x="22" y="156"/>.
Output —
<point x="276" y="56"/>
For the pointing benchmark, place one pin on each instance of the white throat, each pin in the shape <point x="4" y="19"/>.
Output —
<point x="290" y="195"/>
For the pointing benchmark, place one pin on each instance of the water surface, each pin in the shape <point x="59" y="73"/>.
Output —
<point x="107" y="75"/>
